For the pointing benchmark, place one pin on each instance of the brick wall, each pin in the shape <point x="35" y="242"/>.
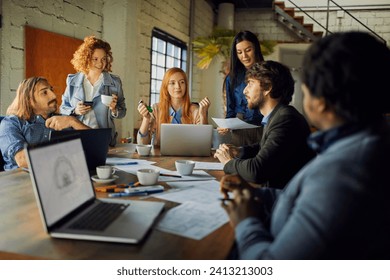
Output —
<point x="377" y="20"/>
<point x="262" y="22"/>
<point x="71" y="18"/>
<point x="126" y="25"/>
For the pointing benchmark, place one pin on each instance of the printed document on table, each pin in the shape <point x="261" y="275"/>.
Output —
<point x="233" y="123"/>
<point x="193" y="220"/>
<point x="125" y="161"/>
<point x="197" y="175"/>
<point x="197" y="191"/>
<point x="208" y="165"/>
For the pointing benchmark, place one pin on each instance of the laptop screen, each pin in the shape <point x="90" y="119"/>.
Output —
<point x="186" y="139"/>
<point x="95" y="143"/>
<point x="61" y="177"/>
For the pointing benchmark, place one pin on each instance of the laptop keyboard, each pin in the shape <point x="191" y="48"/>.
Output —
<point x="100" y="217"/>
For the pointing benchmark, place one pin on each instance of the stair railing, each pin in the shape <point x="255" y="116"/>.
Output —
<point x="365" y="26"/>
<point x="316" y="21"/>
<point x="326" y="28"/>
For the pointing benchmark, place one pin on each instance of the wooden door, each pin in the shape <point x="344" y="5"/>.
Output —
<point x="48" y="54"/>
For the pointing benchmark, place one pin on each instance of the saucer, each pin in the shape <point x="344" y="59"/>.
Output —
<point x="96" y="179"/>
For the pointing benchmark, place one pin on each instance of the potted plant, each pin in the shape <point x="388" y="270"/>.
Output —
<point x="219" y="44"/>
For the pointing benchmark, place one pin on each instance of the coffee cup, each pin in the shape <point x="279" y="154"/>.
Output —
<point x="143" y="150"/>
<point x="185" y="167"/>
<point x="148" y="176"/>
<point x="106" y="99"/>
<point x="104" y="171"/>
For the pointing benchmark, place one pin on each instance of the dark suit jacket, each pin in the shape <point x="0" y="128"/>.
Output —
<point x="281" y="153"/>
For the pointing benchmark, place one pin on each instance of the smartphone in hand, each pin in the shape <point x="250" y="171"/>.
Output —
<point x="88" y="103"/>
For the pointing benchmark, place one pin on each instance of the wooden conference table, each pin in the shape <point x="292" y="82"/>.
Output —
<point x="23" y="236"/>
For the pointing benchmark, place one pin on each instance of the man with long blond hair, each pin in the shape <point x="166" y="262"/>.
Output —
<point x="174" y="107"/>
<point x="30" y="119"/>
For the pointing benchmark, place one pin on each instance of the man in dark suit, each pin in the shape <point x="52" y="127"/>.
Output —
<point x="283" y="149"/>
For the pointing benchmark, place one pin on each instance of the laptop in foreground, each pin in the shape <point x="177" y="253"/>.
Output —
<point x="65" y="196"/>
<point x="186" y="139"/>
<point x="95" y="144"/>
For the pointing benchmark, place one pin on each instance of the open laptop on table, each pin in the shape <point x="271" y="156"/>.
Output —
<point x="186" y="139"/>
<point x="95" y="143"/>
<point x="65" y="197"/>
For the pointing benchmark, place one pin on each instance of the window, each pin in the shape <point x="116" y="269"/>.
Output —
<point x="167" y="52"/>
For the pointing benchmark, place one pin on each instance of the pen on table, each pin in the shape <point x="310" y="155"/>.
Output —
<point x="136" y="184"/>
<point x="110" y="187"/>
<point x="126" y="163"/>
<point x="115" y="190"/>
<point x="170" y="175"/>
<point x="128" y="194"/>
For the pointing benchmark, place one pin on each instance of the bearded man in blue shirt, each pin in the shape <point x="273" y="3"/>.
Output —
<point x="30" y="118"/>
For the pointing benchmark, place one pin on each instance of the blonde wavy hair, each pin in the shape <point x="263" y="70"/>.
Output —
<point x="83" y="55"/>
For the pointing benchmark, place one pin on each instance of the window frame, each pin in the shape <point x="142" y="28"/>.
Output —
<point x="174" y="57"/>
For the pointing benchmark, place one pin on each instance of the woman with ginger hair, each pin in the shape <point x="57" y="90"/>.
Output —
<point x="174" y="107"/>
<point x="82" y="98"/>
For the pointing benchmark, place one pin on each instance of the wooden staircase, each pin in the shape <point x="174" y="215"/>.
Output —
<point x="295" y="23"/>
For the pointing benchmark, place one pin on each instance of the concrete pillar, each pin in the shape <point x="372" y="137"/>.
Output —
<point x="226" y="16"/>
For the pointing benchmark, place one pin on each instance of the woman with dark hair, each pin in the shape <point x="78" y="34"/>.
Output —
<point x="174" y="107"/>
<point x="82" y="98"/>
<point x="245" y="52"/>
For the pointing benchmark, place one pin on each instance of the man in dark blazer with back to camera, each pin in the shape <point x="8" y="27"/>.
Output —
<point x="283" y="149"/>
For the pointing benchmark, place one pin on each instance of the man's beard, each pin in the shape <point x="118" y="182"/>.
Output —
<point x="258" y="103"/>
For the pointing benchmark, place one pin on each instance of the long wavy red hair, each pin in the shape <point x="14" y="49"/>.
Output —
<point x="165" y="98"/>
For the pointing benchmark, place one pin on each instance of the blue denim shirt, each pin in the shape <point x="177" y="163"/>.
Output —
<point x="14" y="132"/>
<point x="176" y="116"/>
<point x="336" y="207"/>
<point x="236" y="102"/>
<point x="74" y="93"/>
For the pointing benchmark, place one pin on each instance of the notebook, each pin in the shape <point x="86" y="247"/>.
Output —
<point x="95" y="143"/>
<point x="65" y="194"/>
<point x="186" y="139"/>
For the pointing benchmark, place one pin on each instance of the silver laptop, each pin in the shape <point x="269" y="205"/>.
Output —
<point x="66" y="198"/>
<point x="186" y="139"/>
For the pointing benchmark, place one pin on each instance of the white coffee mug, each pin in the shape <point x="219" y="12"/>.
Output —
<point x="104" y="171"/>
<point x="106" y="99"/>
<point x="185" y="167"/>
<point x="143" y="150"/>
<point x="148" y="176"/>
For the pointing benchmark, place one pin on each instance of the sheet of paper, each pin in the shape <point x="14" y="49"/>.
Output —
<point x="197" y="175"/>
<point x="127" y="148"/>
<point x="193" y="220"/>
<point x="132" y="169"/>
<point x="120" y="160"/>
<point x="208" y="165"/>
<point x="197" y="191"/>
<point x="232" y="123"/>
